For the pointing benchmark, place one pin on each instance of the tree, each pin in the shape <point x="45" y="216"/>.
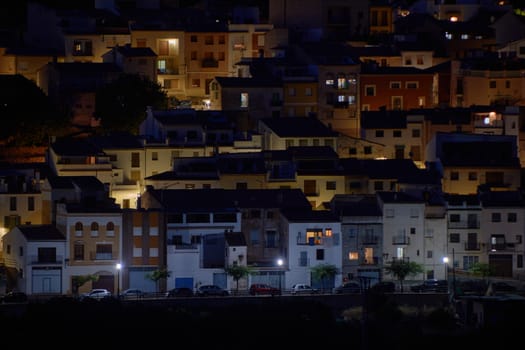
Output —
<point x="121" y="104"/>
<point x="323" y="273"/>
<point x="79" y="281"/>
<point x="238" y="272"/>
<point x="401" y="269"/>
<point x="482" y="270"/>
<point x="23" y="123"/>
<point x="157" y="275"/>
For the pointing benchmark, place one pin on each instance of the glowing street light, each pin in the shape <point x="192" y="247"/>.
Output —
<point x="280" y="263"/>
<point x="118" y="266"/>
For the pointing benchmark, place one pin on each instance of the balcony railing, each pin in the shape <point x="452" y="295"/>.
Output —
<point x="51" y="260"/>
<point x="463" y="224"/>
<point x="472" y="246"/>
<point x="401" y="240"/>
<point x="370" y="240"/>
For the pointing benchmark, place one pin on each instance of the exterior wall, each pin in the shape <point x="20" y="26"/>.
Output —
<point x="143" y="251"/>
<point x="511" y="179"/>
<point x="302" y="256"/>
<point x="399" y="220"/>
<point x="205" y="58"/>
<point x="510" y="243"/>
<point x="362" y="237"/>
<point x="100" y="44"/>
<point x="341" y="116"/>
<point x="299" y="98"/>
<point x="173" y="77"/>
<point x="91" y="264"/>
<point x="322" y="194"/>
<point x="411" y="98"/>
<point x="477" y="88"/>
<point x="471" y="245"/>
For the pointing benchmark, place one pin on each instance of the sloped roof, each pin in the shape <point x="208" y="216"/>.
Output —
<point x="235" y="239"/>
<point x="87" y="184"/>
<point x="298" y="127"/>
<point x="41" y="233"/>
<point x="308" y="215"/>
<point x="398" y="197"/>
<point x="352" y="205"/>
<point x="75" y="147"/>
<point x="216" y="199"/>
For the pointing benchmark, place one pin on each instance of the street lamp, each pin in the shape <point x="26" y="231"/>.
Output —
<point x="118" y="266"/>
<point x="280" y="264"/>
<point x="445" y="261"/>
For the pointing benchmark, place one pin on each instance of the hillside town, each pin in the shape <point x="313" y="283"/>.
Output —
<point x="350" y="134"/>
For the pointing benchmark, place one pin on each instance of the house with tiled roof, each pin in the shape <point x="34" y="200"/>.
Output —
<point x="134" y="60"/>
<point x="35" y="260"/>
<point x="281" y="133"/>
<point x="395" y="88"/>
<point x="257" y="97"/>
<point x="467" y="161"/>
<point x="361" y="235"/>
<point x="314" y="240"/>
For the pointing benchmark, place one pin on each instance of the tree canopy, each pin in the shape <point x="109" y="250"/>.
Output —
<point x="121" y="104"/>
<point x="401" y="269"/>
<point x="238" y="272"/>
<point x="28" y="116"/>
<point x="323" y="272"/>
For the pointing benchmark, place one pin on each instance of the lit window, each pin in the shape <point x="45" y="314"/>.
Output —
<point x="244" y="100"/>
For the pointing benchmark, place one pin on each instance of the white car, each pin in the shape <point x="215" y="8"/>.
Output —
<point x="302" y="288"/>
<point x="97" y="294"/>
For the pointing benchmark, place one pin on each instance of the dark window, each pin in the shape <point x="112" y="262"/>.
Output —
<point x="496" y="217"/>
<point x="78" y="251"/>
<point x="197" y="217"/>
<point x="454" y="238"/>
<point x="31" y="203"/>
<point x="397" y="133"/>
<point x="319" y="254"/>
<point x="380" y="133"/>
<point x="455" y="218"/>
<point x="512" y="217"/>
<point x="224" y="217"/>
<point x="12" y="203"/>
<point x="47" y="255"/>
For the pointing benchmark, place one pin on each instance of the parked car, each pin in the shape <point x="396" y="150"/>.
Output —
<point x="15" y="297"/>
<point x="431" y="285"/>
<point x="348" y="288"/>
<point x="383" y="287"/>
<point x="96" y="294"/>
<point x="302" y="288"/>
<point x="211" y="290"/>
<point x="132" y="293"/>
<point x="179" y="292"/>
<point x="503" y="287"/>
<point x="263" y="289"/>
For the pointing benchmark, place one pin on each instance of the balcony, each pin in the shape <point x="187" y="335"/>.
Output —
<point x="472" y="246"/>
<point x="101" y="256"/>
<point x="370" y="240"/>
<point x="400" y="240"/>
<point x="46" y="260"/>
<point x="463" y="224"/>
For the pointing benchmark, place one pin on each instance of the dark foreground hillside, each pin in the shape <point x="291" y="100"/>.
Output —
<point x="263" y="323"/>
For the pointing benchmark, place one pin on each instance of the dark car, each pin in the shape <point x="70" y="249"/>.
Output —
<point x="15" y="297"/>
<point x="503" y="287"/>
<point x="348" y="288"/>
<point x="383" y="287"/>
<point x="132" y="293"/>
<point x="182" y="292"/>
<point x="431" y="285"/>
<point x="263" y="289"/>
<point x="211" y="290"/>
